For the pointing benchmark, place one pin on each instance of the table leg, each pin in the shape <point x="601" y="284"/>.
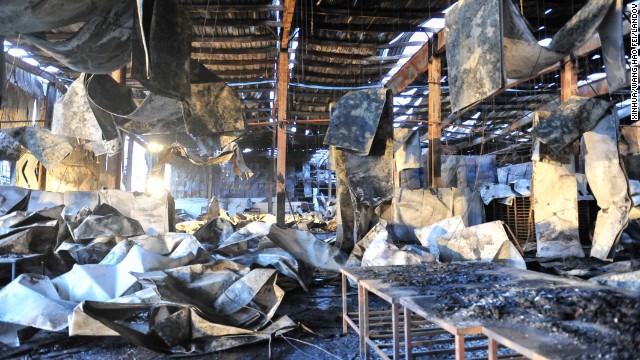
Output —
<point x="407" y="334"/>
<point x="493" y="349"/>
<point x="364" y="329"/>
<point x="13" y="271"/>
<point x="344" y="304"/>
<point x="42" y="266"/>
<point x="395" y="323"/>
<point x="363" y="344"/>
<point x="459" y="347"/>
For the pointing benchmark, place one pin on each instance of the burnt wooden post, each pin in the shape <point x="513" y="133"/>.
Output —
<point x="114" y="163"/>
<point x="282" y="90"/>
<point x="435" y="121"/>
<point x="569" y="88"/>
<point x="49" y="100"/>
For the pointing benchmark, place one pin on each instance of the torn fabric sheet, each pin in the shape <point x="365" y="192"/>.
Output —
<point x="473" y="29"/>
<point x="569" y="121"/>
<point x="229" y="153"/>
<point x="482" y="242"/>
<point x="47" y="147"/>
<point x="556" y="210"/>
<point x="609" y="185"/>
<point x="101" y="46"/>
<point x="511" y="173"/>
<point x="17" y="16"/>
<point x="354" y="121"/>
<point x="162" y="48"/>
<point x="419" y="208"/>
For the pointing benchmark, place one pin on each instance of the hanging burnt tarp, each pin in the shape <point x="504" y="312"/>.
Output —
<point x="355" y="118"/>
<point x="73" y="117"/>
<point x="609" y="184"/>
<point x="19" y="16"/>
<point x="162" y="48"/>
<point x="214" y="107"/>
<point x="555" y="205"/>
<point x="10" y="149"/>
<point x="569" y="121"/>
<point x="111" y="103"/>
<point x="47" y="147"/>
<point x="406" y="149"/>
<point x="489" y="41"/>
<point x="101" y="46"/>
<point x="474" y="51"/>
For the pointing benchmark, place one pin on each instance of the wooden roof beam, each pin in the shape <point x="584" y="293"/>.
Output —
<point x="35" y="70"/>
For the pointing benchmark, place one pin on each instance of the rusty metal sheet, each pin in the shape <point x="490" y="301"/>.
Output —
<point x="355" y="118"/>
<point x="20" y="16"/>
<point x="569" y="121"/>
<point x="609" y="185"/>
<point x="162" y="48"/>
<point x="47" y="147"/>
<point x="473" y="30"/>
<point x="101" y="46"/>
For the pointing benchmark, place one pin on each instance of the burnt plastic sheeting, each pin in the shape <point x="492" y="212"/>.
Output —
<point x="510" y="173"/>
<point x="47" y="147"/>
<point x="162" y="48"/>
<point x="354" y="121"/>
<point x="491" y="42"/>
<point x="474" y="51"/>
<point x="213" y="108"/>
<point x="345" y="232"/>
<point x="406" y="148"/>
<point x="306" y="248"/>
<point x="581" y="26"/>
<point x="20" y="16"/>
<point x="609" y="184"/>
<point x="556" y="209"/>
<point x="176" y="322"/>
<point x="419" y="208"/>
<point x="630" y="140"/>
<point x="10" y="149"/>
<point x="96" y="226"/>
<point x="110" y="102"/>
<point x="3" y="69"/>
<point x="569" y="121"/>
<point x="211" y="233"/>
<point x="611" y="38"/>
<point x="12" y="199"/>
<point x="231" y="152"/>
<point x="72" y="114"/>
<point x="523" y="56"/>
<point x="101" y="46"/>
<point x="468" y="171"/>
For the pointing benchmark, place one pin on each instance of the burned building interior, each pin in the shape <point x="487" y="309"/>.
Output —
<point x="324" y="179"/>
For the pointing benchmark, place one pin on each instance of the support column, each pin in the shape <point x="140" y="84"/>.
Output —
<point x="435" y="121"/>
<point x="49" y="100"/>
<point x="283" y="83"/>
<point x="569" y="88"/>
<point x="114" y="163"/>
